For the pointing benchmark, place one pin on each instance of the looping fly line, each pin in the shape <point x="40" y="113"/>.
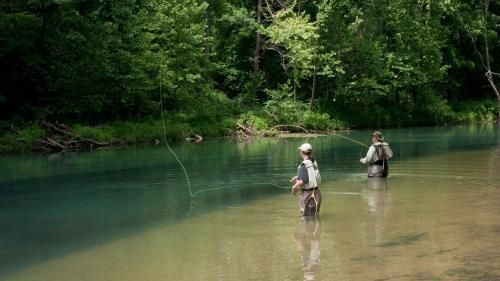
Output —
<point x="191" y="194"/>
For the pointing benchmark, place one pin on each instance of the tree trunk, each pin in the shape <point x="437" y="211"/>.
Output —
<point x="313" y="88"/>
<point x="487" y="49"/>
<point x="208" y="33"/>
<point x="257" y="41"/>
<point x="489" y="73"/>
<point x="498" y="117"/>
<point x="327" y="90"/>
<point x="295" y="84"/>
<point x="258" y="47"/>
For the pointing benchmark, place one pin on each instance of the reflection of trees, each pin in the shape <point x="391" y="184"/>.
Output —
<point x="376" y="197"/>
<point x="307" y="237"/>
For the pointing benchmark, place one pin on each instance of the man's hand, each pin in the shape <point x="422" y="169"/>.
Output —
<point x="296" y="185"/>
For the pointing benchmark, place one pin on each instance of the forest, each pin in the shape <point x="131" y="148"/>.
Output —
<point x="109" y="70"/>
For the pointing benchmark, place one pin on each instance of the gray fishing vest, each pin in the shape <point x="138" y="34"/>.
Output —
<point x="312" y="173"/>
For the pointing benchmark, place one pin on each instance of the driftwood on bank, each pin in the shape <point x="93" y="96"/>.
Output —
<point x="278" y="127"/>
<point x="246" y="132"/>
<point x="195" y="138"/>
<point x="60" y="138"/>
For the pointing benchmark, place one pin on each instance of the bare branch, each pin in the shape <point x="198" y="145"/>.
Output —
<point x="489" y="76"/>
<point x="486" y="6"/>
<point x="280" y="51"/>
<point x="487" y="66"/>
<point x="473" y="39"/>
<point x="269" y="10"/>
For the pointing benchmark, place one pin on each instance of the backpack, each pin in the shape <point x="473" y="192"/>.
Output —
<point x="382" y="162"/>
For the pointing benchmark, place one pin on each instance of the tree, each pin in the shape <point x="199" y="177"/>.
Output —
<point x="486" y="58"/>
<point x="295" y="37"/>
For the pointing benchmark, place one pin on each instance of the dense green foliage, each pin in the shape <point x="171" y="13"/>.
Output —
<point x="320" y="64"/>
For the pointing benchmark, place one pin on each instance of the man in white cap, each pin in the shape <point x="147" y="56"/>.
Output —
<point x="307" y="182"/>
<point x="377" y="156"/>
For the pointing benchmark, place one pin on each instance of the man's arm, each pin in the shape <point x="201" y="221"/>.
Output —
<point x="369" y="156"/>
<point x="296" y="186"/>
<point x="302" y="178"/>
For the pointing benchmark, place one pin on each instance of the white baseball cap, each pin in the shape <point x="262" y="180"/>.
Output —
<point x="305" y="147"/>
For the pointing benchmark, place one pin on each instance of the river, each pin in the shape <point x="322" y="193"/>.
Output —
<point x="128" y="215"/>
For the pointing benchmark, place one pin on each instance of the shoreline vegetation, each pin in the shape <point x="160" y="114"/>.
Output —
<point x="48" y="137"/>
<point x="86" y="75"/>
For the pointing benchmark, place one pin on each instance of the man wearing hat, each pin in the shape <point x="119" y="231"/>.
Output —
<point x="307" y="182"/>
<point x="377" y="156"/>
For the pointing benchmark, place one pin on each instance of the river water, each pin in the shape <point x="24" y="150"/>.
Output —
<point x="127" y="214"/>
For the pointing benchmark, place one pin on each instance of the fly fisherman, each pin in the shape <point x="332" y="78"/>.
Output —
<point x="307" y="182"/>
<point x="377" y="156"/>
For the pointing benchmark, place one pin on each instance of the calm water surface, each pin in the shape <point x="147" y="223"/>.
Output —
<point x="127" y="214"/>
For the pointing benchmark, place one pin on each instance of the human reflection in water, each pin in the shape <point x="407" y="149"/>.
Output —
<point x="376" y="197"/>
<point x="307" y="237"/>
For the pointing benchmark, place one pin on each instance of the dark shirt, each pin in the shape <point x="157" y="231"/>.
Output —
<point x="303" y="175"/>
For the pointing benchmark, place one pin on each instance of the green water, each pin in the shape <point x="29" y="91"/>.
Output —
<point x="127" y="214"/>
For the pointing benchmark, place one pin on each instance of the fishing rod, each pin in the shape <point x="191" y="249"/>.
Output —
<point x="356" y="142"/>
<point x="353" y="140"/>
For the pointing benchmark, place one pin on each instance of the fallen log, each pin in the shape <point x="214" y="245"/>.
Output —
<point x="55" y="128"/>
<point x="61" y="138"/>
<point x="47" y="146"/>
<point x="288" y="125"/>
<point x="55" y="143"/>
<point x="245" y="129"/>
<point x="195" y="138"/>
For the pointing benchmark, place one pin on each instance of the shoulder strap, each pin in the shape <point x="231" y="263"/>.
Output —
<point x="307" y="163"/>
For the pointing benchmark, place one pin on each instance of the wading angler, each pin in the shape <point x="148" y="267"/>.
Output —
<point x="306" y="183"/>
<point x="377" y="156"/>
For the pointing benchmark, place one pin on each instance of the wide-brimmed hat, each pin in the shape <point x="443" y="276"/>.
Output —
<point x="305" y="147"/>
<point x="378" y="135"/>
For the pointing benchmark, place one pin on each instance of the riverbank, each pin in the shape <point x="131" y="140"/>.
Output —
<point x="176" y="128"/>
<point x="44" y="136"/>
<point x="150" y="132"/>
<point x="147" y="132"/>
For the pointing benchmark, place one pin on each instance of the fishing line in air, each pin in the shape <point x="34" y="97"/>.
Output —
<point x="168" y="146"/>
